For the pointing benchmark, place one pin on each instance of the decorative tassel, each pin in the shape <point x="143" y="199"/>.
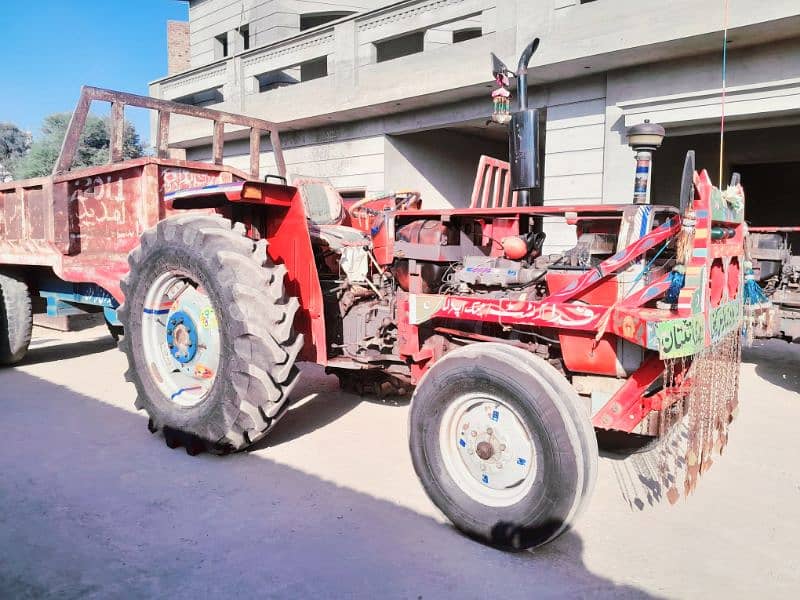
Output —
<point x="753" y="294"/>
<point x="686" y="238"/>
<point x="676" y="280"/>
<point x="683" y="254"/>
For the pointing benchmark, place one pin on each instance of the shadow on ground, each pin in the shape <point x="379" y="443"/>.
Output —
<point x="776" y="361"/>
<point x="38" y="353"/>
<point x="316" y="404"/>
<point x="93" y="505"/>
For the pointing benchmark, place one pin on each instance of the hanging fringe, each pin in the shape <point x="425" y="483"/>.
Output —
<point x="753" y="294"/>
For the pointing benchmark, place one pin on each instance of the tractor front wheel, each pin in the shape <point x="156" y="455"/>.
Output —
<point x="502" y="445"/>
<point x="16" y="319"/>
<point x="208" y="334"/>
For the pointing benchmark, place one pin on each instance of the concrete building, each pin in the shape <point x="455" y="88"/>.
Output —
<point x="379" y="96"/>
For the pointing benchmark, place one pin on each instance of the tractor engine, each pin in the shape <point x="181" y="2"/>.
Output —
<point x="458" y="257"/>
<point x="359" y="306"/>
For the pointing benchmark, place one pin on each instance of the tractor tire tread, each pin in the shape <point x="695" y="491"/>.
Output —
<point x="264" y="347"/>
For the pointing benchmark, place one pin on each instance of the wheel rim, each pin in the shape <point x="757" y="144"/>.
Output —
<point x="487" y="450"/>
<point x="180" y="337"/>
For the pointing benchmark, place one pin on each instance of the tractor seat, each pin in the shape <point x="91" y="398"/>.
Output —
<point x="325" y="213"/>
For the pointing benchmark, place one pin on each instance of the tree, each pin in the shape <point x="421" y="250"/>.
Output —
<point x="93" y="147"/>
<point x="14" y="143"/>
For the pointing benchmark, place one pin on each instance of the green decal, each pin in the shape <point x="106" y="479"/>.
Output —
<point x="680" y="337"/>
<point x="724" y="319"/>
<point x="697" y="301"/>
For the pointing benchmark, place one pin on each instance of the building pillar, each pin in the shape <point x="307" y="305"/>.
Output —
<point x="345" y="59"/>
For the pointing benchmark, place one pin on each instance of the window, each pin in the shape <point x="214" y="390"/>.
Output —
<point x="244" y="37"/>
<point x="204" y="98"/>
<point x="274" y="80"/>
<point x="309" y="20"/>
<point x="404" y="45"/>
<point x="350" y="195"/>
<point x="221" y="46"/>
<point x="314" y="69"/>
<point x="470" y="33"/>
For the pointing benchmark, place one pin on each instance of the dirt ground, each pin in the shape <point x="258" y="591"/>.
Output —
<point x="93" y="505"/>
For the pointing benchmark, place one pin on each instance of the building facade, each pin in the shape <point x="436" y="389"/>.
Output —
<point x="384" y="96"/>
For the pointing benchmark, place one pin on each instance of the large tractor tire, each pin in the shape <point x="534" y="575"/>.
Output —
<point x="208" y="334"/>
<point x="502" y="445"/>
<point x="16" y="319"/>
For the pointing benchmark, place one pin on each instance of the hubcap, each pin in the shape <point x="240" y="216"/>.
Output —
<point x="487" y="450"/>
<point x="180" y="336"/>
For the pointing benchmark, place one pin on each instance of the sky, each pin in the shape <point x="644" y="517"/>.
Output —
<point x="52" y="47"/>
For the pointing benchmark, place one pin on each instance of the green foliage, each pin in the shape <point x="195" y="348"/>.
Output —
<point x="14" y="143"/>
<point x="93" y="148"/>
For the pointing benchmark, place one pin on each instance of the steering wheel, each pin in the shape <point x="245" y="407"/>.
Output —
<point x="394" y="202"/>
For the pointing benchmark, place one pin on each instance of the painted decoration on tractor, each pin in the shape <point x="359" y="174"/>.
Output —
<point x="680" y="337"/>
<point x="724" y="319"/>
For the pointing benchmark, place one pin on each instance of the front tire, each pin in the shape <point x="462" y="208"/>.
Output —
<point x="16" y="319"/>
<point x="208" y="334"/>
<point x="502" y="445"/>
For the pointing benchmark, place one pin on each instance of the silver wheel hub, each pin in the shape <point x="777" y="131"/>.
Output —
<point x="181" y="340"/>
<point x="487" y="450"/>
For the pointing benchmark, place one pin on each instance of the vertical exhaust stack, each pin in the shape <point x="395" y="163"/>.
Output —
<point x="523" y="138"/>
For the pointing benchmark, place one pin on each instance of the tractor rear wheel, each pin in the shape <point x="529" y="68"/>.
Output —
<point x="16" y="319"/>
<point x="502" y="445"/>
<point x="208" y="334"/>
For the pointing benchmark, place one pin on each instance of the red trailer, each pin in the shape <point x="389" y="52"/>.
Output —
<point x="223" y="282"/>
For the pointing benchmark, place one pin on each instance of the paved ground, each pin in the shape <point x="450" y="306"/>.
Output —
<point x="94" y="506"/>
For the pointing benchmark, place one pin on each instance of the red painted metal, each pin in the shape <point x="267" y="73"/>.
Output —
<point x="626" y="409"/>
<point x="492" y="185"/>
<point x="83" y="224"/>
<point x="583" y="354"/>
<point x="604" y="292"/>
<point x="290" y="244"/>
<point x="752" y="229"/>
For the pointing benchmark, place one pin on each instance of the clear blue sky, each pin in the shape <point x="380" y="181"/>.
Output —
<point x="52" y="47"/>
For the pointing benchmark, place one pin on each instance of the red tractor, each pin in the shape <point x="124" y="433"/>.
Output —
<point x="223" y="283"/>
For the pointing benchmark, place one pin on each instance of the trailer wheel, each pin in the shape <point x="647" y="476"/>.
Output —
<point x="208" y="334"/>
<point x="16" y="319"/>
<point x="502" y="445"/>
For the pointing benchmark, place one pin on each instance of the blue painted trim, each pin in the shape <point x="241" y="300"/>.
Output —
<point x="111" y="316"/>
<point x="645" y="219"/>
<point x="156" y="311"/>
<point x="65" y="298"/>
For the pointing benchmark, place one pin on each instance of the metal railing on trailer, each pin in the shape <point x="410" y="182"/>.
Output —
<point x="164" y="108"/>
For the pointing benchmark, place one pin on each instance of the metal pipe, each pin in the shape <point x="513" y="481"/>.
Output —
<point x="522" y="73"/>
<point x="522" y="90"/>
